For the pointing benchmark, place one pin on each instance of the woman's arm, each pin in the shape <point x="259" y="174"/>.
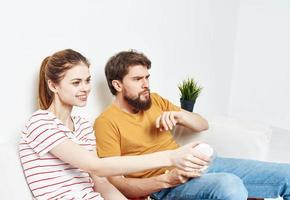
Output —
<point x="106" y="189"/>
<point x="184" y="158"/>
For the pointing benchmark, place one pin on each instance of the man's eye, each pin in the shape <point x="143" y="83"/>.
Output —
<point x="88" y="80"/>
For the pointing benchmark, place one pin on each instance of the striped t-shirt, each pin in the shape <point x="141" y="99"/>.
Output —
<point x="49" y="177"/>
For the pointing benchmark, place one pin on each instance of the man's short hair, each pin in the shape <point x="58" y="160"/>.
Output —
<point x="118" y="66"/>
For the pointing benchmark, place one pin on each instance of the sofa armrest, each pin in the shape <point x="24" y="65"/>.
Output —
<point x="231" y="138"/>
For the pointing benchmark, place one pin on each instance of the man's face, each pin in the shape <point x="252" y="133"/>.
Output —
<point x="136" y="88"/>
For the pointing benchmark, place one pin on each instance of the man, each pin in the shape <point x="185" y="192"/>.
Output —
<point x="139" y="122"/>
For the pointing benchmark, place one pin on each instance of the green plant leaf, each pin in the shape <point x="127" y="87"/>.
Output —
<point x="189" y="89"/>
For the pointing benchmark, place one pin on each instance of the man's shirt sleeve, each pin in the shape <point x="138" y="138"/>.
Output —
<point x="164" y="104"/>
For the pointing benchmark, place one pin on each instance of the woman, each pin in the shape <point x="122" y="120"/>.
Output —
<point x="57" y="150"/>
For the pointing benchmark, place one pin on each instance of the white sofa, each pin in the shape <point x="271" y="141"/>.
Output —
<point x="231" y="137"/>
<point x="12" y="184"/>
<point x="228" y="136"/>
<point x="241" y="139"/>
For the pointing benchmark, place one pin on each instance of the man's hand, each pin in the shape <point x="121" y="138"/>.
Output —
<point x="167" y="120"/>
<point x="176" y="177"/>
<point x="188" y="159"/>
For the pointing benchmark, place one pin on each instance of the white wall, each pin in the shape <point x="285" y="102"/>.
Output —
<point x="260" y="88"/>
<point x="237" y="50"/>
<point x="182" y="38"/>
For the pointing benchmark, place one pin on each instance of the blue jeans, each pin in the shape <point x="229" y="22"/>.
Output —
<point x="234" y="179"/>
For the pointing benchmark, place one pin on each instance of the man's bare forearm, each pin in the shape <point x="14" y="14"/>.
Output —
<point x="139" y="187"/>
<point x="106" y="189"/>
<point x="167" y="120"/>
<point x="193" y="121"/>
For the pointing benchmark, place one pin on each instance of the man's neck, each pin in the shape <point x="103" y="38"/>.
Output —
<point x="122" y="104"/>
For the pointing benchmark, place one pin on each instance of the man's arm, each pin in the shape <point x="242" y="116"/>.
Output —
<point x="167" y="120"/>
<point x="137" y="187"/>
<point x="142" y="187"/>
<point x="192" y="120"/>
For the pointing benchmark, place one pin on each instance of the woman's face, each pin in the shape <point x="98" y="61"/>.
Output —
<point x="74" y="88"/>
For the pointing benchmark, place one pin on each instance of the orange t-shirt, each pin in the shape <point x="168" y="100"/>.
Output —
<point x="119" y="133"/>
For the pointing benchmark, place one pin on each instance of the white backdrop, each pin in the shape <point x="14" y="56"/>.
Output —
<point x="216" y="42"/>
<point x="261" y="79"/>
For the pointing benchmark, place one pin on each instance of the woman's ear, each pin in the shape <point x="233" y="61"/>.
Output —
<point x="51" y="85"/>
<point x="117" y="85"/>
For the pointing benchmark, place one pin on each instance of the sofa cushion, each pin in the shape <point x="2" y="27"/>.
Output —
<point x="13" y="184"/>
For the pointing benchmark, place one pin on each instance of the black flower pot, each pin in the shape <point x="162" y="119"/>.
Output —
<point x="187" y="105"/>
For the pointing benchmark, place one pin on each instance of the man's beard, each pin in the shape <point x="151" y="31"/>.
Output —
<point x="137" y="103"/>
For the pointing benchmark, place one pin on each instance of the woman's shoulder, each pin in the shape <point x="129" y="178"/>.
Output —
<point x="41" y="115"/>
<point x="39" y="118"/>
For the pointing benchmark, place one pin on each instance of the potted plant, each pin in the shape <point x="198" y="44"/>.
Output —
<point x="189" y="91"/>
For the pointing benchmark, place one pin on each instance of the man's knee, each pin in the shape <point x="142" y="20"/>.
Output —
<point x="231" y="187"/>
